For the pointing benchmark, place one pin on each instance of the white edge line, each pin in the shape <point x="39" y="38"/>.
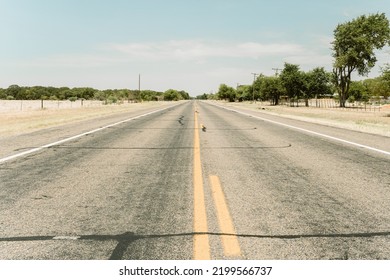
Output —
<point x="34" y="150"/>
<point x="307" y="131"/>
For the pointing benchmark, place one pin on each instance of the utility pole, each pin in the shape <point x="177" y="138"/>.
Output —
<point x="276" y="71"/>
<point x="253" y="87"/>
<point x="139" y="83"/>
<point x="139" y="87"/>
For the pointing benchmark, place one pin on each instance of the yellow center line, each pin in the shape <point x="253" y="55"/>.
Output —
<point x="201" y="239"/>
<point x="229" y="238"/>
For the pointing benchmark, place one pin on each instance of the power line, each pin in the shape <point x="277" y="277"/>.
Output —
<point x="276" y="71"/>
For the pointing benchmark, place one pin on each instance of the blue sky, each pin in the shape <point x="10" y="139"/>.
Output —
<point x="181" y="44"/>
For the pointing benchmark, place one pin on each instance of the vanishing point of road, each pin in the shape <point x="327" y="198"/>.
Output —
<point x="194" y="180"/>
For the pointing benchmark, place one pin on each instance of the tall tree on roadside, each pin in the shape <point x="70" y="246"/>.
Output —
<point x="353" y="49"/>
<point x="172" y="95"/>
<point x="227" y="93"/>
<point x="185" y="95"/>
<point x="318" y="83"/>
<point x="271" y="89"/>
<point x="244" y="93"/>
<point x="14" y="92"/>
<point x="293" y="80"/>
<point x="256" y="88"/>
<point x="384" y="80"/>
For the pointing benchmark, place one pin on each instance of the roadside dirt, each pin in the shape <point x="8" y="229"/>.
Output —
<point x="17" y="122"/>
<point x="20" y="122"/>
<point x="374" y="122"/>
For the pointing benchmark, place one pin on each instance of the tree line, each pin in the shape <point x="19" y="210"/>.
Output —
<point x="294" y="84"/>
<point x="15" y="92"/>
<point x="353" y="50"/>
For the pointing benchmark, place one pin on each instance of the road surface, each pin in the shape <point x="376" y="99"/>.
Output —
<point x="195" y="181"/>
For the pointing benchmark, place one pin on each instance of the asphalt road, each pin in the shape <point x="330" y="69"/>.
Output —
<point x="195" y="181"/>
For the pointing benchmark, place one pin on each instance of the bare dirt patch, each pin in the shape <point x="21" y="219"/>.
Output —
<point x="375" y="122"/>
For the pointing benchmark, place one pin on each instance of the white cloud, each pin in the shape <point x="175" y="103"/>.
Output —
<point x="194" y="65"/>
<point x="311" y="60"/>
<point x="182" y="51"/>
<point x="69" y="61"/>
<point x="189" y="50"/>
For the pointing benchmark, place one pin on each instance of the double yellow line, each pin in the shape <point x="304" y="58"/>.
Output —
<point x="201" y="250"/>
<point x="201" y="239"/>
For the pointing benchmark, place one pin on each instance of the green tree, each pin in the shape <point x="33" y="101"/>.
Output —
<point x="14" y="92"/>
<point x="207" y="96"/>
<point x="3" y="94"/>
<point x="172" y="95"/>
<point x="271" y="89"/>
<point x="244" y="93"/>
<point x="358" y="91"/>
<point x="149" y="95"/>
<point x="293" y="81"/>
<point x="256" y="88"/>
<point x="374" y="87"/>
<point x="132" y="95"/>
<point x="318" y="83"/>
<point x="385" y="81"/>
<point x="37" y="92"/>
<point x="184" y="95"/>
<point x="226" y="93"/>
<point x="203" y="96"/>
<point x="353" y="49"/>
<point x="61" y="94"/>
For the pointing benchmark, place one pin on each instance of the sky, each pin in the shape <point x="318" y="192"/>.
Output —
<point x="180" y="44"/>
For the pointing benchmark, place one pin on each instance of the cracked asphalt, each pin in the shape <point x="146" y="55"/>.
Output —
<point x="127" y="191"/>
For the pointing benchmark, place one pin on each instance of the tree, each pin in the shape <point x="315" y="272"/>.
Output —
<point x="256" y="88"/>
<point x="385" y="81"/>
<point x="374" y="87"/>
<point x="318" y="83"/>
<point x="227" y="93"/>
<point x="244" y="93"/>
<point x="353" y="49"/>
<point x="149" y="95"/>
<point x="293" y="80"/>
<point x="271" y="89"/>
<point x="3" y="94"/>
<point x="172" y="95"/>
<point x="358" y="91"/>
<point x="204" y="96"/>
<point x="14" y="92"/>
<point x="185" y="95"/>
<point x="207" y="96"/>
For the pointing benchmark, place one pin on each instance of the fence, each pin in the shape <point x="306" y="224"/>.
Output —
<point x="30" y="105"/>
<point x="332" y="103"/>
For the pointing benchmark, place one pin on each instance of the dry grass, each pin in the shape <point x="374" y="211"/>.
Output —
<point x="18" y="122"/>
<point x="377" y="122"/>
